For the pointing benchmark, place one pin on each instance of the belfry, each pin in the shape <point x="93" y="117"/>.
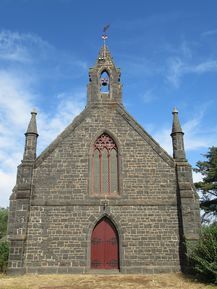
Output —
<point x="103" y="195"/>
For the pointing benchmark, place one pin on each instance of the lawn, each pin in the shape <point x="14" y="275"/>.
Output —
<point x="88" y="281"/>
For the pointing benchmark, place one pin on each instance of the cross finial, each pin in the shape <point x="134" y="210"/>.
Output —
<point x="104" y="35"/>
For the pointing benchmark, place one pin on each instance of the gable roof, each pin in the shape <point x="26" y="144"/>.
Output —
<point x="128" y="118"/>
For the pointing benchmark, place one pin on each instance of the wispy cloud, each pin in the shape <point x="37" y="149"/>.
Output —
<point x="209" y="33"/>
<point x="70" y="105"/>
<point x="178" y="68"/>
<point x="15" y="116"/>
<point x="196" y="135"/>
<point x="183" y="60"/>
<point x="19" y="47"/>
<point x="148" y="96"/>
<point x="20" y="71"/>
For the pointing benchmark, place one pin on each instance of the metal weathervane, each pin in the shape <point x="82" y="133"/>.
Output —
<point x="104" y="37"/>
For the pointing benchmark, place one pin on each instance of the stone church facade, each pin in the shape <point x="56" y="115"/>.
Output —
<point x="103" y="195"/>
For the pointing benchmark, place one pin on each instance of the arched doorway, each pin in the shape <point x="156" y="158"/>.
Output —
<point x="104" y="246"/>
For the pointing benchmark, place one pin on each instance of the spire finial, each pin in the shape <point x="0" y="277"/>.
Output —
<point x="175" y="110"/>
<point x="104" y="37"/>
<point x="32" y="127"/>
<point x="31" y="139"/>
<point x="177" y="138"/>
<point x="176" y="124"/>
<point x="34" y="111"/>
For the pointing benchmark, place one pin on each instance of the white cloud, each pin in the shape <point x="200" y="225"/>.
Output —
<point x="148" y="96"/>
<point x="195" y="136"/>
<point x="7" y="181"/>
<point x="197" y="177"/>
<point x="177" y="68"/>
<point x="206" y="66"/>
<point x="20" y="71"/>
<point x="16" y="115"/>
<point x="209" y="33"/>
<point x="163" y="138"/>
<point x="19" y="47"/>
<point x="50" y="126"/>
<point x="16" y="102"/>
<point x="15" y="99"/>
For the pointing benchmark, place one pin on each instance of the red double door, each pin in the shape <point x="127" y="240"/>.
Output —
<point x="104" y="246"/>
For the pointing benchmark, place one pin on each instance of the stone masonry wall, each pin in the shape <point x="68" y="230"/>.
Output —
<point x="59" y="238"/>
<point x="64" y="174"/>
<point x="63" y="212"/>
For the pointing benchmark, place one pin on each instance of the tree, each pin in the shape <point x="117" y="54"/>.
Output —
<point x="4" y="253"/>
<point x="3" y="222"/>
<point x="207" y="188"/>
<point x="203" y="254"/>
<point x="4" y="249"/>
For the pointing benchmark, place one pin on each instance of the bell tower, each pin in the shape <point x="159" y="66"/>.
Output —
<point x="104" y="78"/>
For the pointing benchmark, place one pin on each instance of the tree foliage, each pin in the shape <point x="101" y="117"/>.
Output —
<point x="207" y="188"/>
<point x="203" y="255"/>
<point x="3" y="222"/>
<point x="4" y="253"/>
<point x="4" y="249"/>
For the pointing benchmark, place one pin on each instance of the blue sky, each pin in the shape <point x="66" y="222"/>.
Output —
<point x="167" y="52"/>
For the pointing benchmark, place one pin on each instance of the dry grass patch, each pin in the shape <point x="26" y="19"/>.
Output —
<point x="165" y="281"/>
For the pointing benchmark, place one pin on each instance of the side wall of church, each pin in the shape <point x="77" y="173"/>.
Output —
<point x="63" y="211"/>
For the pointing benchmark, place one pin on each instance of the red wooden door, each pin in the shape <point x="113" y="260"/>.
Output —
<point x="104" y="246"/>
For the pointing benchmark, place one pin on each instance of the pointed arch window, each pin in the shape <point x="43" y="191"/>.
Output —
<point x="104" y="82"/>
<point x="104" y="166"/>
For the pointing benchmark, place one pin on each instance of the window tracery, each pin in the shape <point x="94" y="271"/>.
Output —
<point x="104" y="171"/>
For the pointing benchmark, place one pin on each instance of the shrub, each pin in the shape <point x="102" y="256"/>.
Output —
<point x="4" y="252"/>
<point x="203" y="255"/>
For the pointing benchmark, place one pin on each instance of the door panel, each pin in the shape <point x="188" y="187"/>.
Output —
<point x="104" y="246"/>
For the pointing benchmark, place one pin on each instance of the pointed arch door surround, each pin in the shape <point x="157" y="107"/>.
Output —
<point x="104" y="246"/>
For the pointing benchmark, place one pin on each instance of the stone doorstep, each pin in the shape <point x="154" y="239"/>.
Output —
<point x="103" y="271"/>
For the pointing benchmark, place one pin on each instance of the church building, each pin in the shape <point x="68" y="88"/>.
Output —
<point x="103" y="195"/>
